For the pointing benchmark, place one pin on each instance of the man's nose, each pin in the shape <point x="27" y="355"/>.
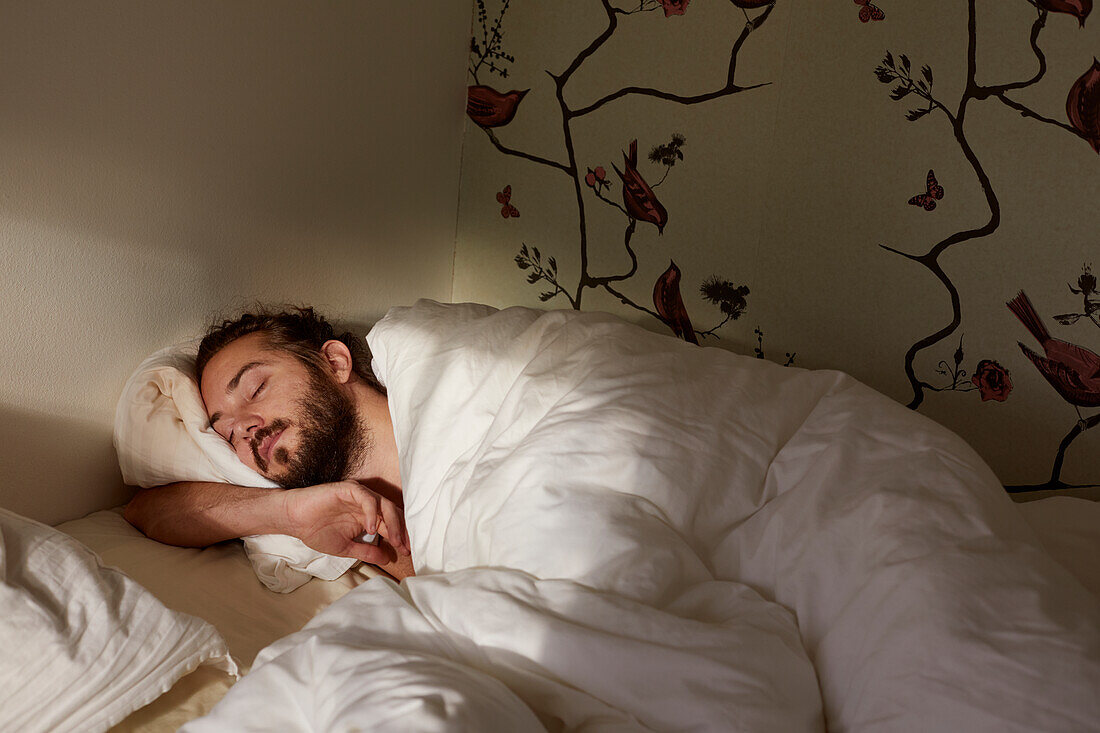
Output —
<point x="250" y="424"/>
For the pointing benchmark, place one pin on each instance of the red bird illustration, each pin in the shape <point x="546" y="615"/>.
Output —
<point x="1083" y="105"/>
<point x="641" y="203"/>
<point x="489" y="108"/>
<point x="1079" y="9"/>
<point x="1072" y="370"/>
<point x="670" y="305"/>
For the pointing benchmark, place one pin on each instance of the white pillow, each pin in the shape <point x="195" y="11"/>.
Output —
<point x="163" y="435"/>
<point x="84" y="645"/>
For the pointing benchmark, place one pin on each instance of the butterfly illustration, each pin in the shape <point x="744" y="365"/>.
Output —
<point x="869" y="11"/>
<point x="928" y="200"/>
<point x="503" y="197"/>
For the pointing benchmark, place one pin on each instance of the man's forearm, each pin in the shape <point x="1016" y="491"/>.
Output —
<point x="195" y="514"/>
<point x="330" y="518"/>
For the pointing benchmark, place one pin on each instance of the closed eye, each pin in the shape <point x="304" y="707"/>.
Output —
<point x="259" y="389"/>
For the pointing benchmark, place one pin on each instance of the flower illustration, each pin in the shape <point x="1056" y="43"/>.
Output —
<point x="1086" y="283"/>
<point x="730" y="298"/>
<point x="992" y="380"/>
<point x="1086" y="288"/>
<point x="670" y="152"/>
<point x="674" y="7"/>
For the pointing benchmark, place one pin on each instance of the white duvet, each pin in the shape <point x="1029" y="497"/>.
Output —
<point x="615" y="530"/>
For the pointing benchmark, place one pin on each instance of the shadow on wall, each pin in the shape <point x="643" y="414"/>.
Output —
<point x="171" y="111"/>
<point x="55" y="468"/>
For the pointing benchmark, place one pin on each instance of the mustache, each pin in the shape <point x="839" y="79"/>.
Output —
<point x="263" y="434"/>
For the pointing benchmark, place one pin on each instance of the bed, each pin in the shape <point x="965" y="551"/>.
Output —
<point x="216" y="583"/>
<point x="615" y="530"/>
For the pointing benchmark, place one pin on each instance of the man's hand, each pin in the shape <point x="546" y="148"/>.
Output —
<point x="329" y="518"/>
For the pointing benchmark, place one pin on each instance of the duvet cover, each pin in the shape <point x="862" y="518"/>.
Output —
<point x="616" y="530"/>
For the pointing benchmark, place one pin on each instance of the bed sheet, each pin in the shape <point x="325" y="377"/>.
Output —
<point x="1069" y="529"/>
<point x="214" y="583"/>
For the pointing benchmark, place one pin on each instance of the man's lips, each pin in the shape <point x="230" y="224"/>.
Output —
<point x="268" y="445"/>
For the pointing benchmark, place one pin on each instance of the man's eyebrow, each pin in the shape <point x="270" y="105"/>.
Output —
<point x="233" y="383"/>
<point x="237" y="379"/>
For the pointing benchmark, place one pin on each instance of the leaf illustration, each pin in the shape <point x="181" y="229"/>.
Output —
<point x="1068" y="319"/>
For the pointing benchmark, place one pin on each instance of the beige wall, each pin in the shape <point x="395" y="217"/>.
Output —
<point x="160" y="161"/>
<point x="790" y="188"/>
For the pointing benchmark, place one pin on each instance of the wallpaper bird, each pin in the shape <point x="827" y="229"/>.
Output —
<point x="641" y="203"/>
<point x="670" y="304"/>
<point x="1072" y="370"/>
<point x="1083" y="105"/>
<point x="1079" y="9"/>
<point x="490" y="108"/>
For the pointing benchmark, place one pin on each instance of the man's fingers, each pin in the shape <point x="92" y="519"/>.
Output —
<point x="382" y="516"/>
<point x="367" y="553"/>
<point x="392" y="528"/>
<point x="367" y="501"/>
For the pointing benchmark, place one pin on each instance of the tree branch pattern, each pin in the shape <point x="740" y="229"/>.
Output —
<point x="492" y="109"/>
<point x="1083" y="110"/>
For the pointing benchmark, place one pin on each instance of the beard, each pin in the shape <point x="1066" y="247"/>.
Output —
<point x="332" y="443"/>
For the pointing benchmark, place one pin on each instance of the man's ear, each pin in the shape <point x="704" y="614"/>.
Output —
<point x="338" y="356"/>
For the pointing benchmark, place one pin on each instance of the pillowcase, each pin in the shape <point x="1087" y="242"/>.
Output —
<point x="84" y="645"/>
<point x="162" y="435"/>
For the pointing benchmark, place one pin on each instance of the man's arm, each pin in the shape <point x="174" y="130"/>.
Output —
<point x="328" y="517"/>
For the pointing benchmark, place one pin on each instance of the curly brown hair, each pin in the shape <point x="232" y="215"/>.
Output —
<point x="300" y="331"/>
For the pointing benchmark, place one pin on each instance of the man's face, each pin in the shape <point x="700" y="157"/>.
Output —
<point x="288" y="421"/>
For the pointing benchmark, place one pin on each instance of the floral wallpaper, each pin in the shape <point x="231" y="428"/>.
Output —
<point x="905" y="191"/>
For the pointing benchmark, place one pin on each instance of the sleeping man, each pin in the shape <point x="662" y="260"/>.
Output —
<point x="300" y="406"/>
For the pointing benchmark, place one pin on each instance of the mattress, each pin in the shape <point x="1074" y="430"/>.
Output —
<point x="215" y="583"/>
